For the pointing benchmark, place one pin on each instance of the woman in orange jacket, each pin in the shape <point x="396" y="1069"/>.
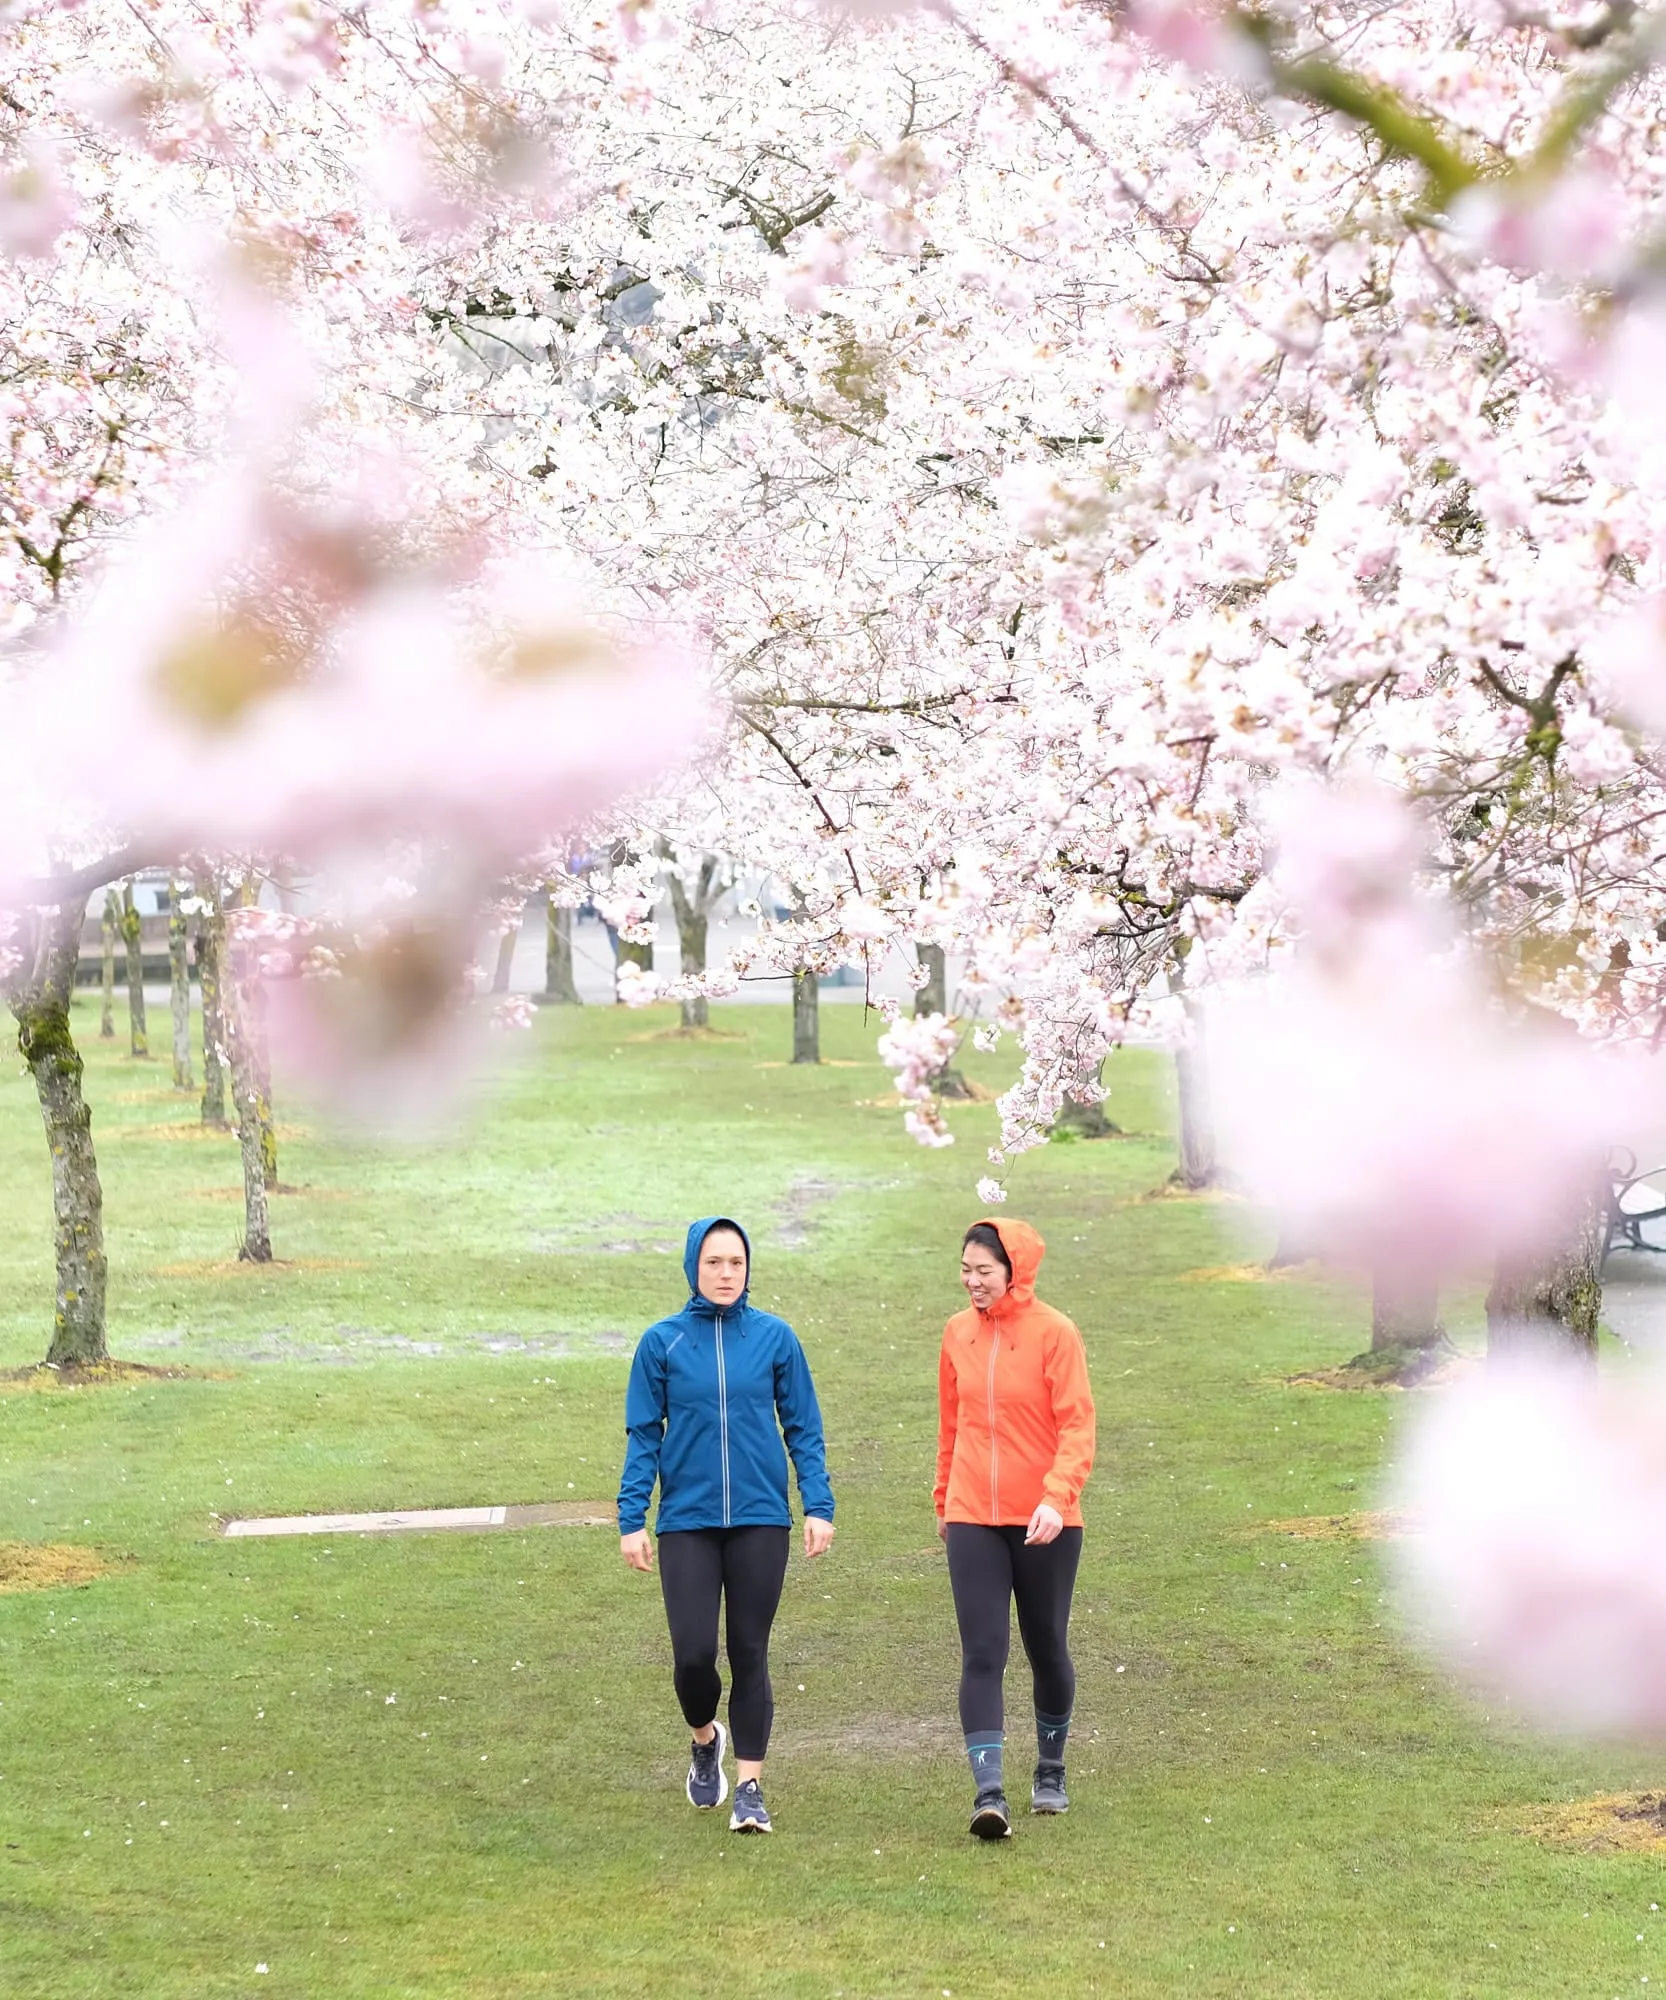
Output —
<point x="1015" y="1432"/>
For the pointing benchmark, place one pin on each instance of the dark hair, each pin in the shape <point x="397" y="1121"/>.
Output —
<point x="987" y="1237"/>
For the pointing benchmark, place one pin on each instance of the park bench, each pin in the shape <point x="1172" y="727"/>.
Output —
<point x="1634" y="1200"/>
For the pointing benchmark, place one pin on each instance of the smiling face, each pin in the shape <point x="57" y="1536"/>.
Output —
<point x="722" y="1267"/>
<point x="984" y="1276"/>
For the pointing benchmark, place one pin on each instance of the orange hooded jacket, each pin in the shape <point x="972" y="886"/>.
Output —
<point x="1015" y="1421"/>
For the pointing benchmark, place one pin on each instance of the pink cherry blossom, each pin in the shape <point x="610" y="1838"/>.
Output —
<point x="1539" y="1496"/>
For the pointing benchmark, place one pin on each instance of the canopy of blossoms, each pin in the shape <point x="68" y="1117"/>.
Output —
<point x="1142" y="496"/>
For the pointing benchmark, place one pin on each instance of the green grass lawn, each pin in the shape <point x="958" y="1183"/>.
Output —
<point x="452" y="1765"/>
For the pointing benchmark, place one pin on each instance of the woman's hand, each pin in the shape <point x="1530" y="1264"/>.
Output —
<point x="818" y="1536"/>
<point x="1045" y="1524"/>
<point x="637" y="1550"/>
<point x="942" y="1529"/>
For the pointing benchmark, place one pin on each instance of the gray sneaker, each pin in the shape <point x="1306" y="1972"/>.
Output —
<point x="750" y="1815"/>
<point x="1047" y="1794"/>
<point x="990" y="1818"/>
<point x="708" y="1783"/>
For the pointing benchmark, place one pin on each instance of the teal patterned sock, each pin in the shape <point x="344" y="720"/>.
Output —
<point x="1050" y="1734"/>
<point x="983" y="1753"/>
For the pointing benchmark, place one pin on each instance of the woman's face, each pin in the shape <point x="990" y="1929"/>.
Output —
<point x="722" y="1267"/>
<point x="983" y="1274"/>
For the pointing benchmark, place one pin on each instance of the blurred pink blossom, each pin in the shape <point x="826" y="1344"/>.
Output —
<point x="254" y="677"/>
<point x="36" y="202"/>
<point x="376" y="1025"/>
<point x="914" y="1048"/>
<point x="1199" y="34"/>
<point x="1570" y="226"/>
<point x="1375" y="1092"/>
<point x="1541" y="1495"/>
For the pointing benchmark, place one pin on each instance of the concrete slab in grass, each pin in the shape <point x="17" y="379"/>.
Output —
<point x="428" y="1520"/>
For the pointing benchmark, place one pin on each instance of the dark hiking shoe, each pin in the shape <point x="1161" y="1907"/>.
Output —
<point x="990" y="1818"/>
<point x="1047" y="1794"/>
<point x="708" y="1784"/>
<point x="750" y="1815"/>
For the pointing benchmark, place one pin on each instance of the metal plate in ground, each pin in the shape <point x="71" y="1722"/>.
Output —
<point x="426" y="1520"/>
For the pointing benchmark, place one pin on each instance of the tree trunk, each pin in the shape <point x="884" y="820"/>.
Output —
<point x="1548" y="1303"/>
<point x="692" y="914"/>
<point x="806" y="1018"/>
<point x="109" y="929"/>
<point x="179" y="969"/>
<point x="630" y="954"/>
<point x="41" y="1004"/>
<point x="135" y="973"/>
<point x="211" y="939"/>
<point x="691" y="957"/>
<point x="506" y="957"/>
<point x="1086" y="1121"/>
<point x="560" y="988"/>
<point x="1405" y="1313"/>
<point x="1199" y="1167"/>
<point x="252" y="1015"/>
<point x="256" y="1247"/>
<point x="933" y="996"/>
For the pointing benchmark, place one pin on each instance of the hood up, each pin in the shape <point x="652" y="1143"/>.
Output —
<point x="1025" y="1251"/>
<point x="697" y="1234"/>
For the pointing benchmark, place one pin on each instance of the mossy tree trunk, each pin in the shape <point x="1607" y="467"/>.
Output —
<point x="250" y="1000"/>
<point x="1547" y="1301"/>
<point x="40" y="997"/>
<point x="693" y="899"/>
<point x="135" y="973"/>
<point x="1084" y="1121"/>
<point x="237" y="982"/>
<point x="806" y="1017"/>
<point x="179" y="980"/>
<point x="109" y="929"/>
<point x="560" y="988"/>
<point x="1199" y="1162"/>
<point x="625" y="953"/>
<point x="505" y="966"/>
<point x="933" y="998"/>
<point x="211" y="939"/>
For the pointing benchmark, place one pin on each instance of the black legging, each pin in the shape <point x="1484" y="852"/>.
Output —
<point x="988" y="1568"/>
<point x="746" y="1568"/>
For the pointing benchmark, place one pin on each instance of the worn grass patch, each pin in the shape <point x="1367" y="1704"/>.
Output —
<point x="1616" y="1823"/>
<point x="237" y="1267"/>
<point x="48" y="1566"/>
<point x="294" y="1191"/>
<point x="1366" y="1371"/>
<point x="1251" y="1274"/>
<point x="688" y="1035"/>
<point x="1176" y="1191"/>
<point x="40" y="1378"/>
<point x="193" y="1130"/>
<point x="1371" y="1525"/>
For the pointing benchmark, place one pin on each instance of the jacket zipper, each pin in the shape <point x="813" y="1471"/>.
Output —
<point x="994" y="1440"/>
<point x="723" y="1417"/>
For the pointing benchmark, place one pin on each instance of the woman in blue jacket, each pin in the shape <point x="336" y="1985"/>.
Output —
<point x="713" y="1391"/>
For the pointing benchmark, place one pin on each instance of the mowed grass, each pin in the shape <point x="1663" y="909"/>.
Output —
<point x="451" y="1764"/>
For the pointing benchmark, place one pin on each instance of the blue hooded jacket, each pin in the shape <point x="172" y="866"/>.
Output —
<point x="713" y="1391"/>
